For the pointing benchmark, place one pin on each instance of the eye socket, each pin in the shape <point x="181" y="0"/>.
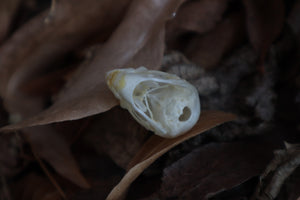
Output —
<point x="186" y="114"/>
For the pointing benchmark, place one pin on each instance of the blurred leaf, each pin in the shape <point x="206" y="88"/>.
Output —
<point x="117" y="134"/>
<point x="34" y="187"/>
<point x="35" y="46"/>
<point x="11" y="161"/>
<point x="99" y="169"/>
<point x="284" y="163"/>
<point x="193" y="17"/>
<point x="33" y="49"/>
<point x="198" y="16"/>
<point x="294" y="18"/>
<point x="208" y="50"/>
<point x="50" y="145"/>
<point x="292" y="186"/>
<point x="86" y="93"/>
<point x="265" y="21"/>
<point x="47" y="84"/>
<point x="237" y="192"/>
<point x="210" y="168"/>
<point x="156" y="146"/>
<point x="8" y="9"/>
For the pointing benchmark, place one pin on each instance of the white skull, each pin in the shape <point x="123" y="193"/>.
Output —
<point x="161" y="102"/>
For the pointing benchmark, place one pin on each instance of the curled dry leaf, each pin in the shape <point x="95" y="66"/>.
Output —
<point x="280" y="168"/>
<point x="122" y="48"/>
<point x="265" y="21"/>
<point x="198" y="16"/>
<point x="48" y="37"/>
<point x="32" y="49"/>
<point x="8" y="9"/>
<point x="86" y="93"/>
<point x="217" y="167"/>
<point x="194" y="17"/>
<point x="151" y="54"/>
<point x="156" y="146"/>
<point x="208" y="50"/>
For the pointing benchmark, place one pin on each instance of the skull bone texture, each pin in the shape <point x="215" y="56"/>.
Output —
<point x="159" y="101"/>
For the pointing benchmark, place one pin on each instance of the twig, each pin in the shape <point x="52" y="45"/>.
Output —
<point x="280" y="168"/>
<point x="52" y="180"/>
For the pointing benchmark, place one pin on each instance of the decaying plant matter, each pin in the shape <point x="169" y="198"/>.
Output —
<point x="64" y="135"/>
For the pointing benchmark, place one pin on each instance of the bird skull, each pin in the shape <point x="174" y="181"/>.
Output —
<point x="161" y="102"/>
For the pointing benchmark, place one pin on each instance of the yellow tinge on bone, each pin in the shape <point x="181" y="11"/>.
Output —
<point x="161" y="102"/>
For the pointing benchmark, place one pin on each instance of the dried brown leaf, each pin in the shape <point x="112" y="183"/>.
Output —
<point x="156" y="146"/>
<point x="99" y="169"/>
<point x="87" y="94"/>
<point x="121" y="135"/>
<point x="10" y="158"/>
<point x="208" y="50"/>
<point x="237" y="192"/>
<point x="47" y="84"/>
<point x="151" y="54"/>
<point x="117" y="134"/>
<point x="198" y="16"/>
<point x="284" y="163"/>
<point x="8" y="9"/>
<point x="34" y="187"/>
<point x="292" y="185"/>
<point x="215" y="167"/>
<point x="47" y="38"/>
<point x="265" y="21"/>
<point x="191" y="18"/>
<point x="49" y="145"/>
